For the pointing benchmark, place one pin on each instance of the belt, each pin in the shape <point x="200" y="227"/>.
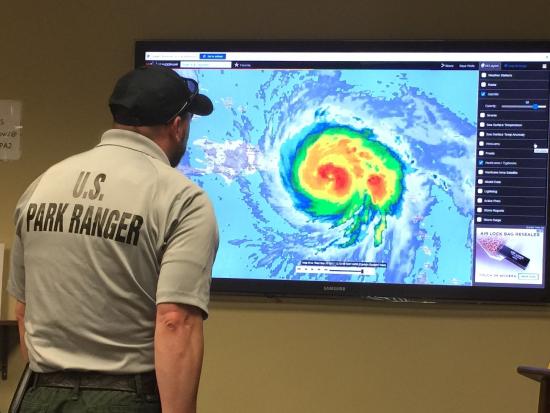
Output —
<point x="142" y="383"/>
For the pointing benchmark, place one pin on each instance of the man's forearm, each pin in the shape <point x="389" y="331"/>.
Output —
<point x="179" y="346"/>
<point x="20" y="316"/>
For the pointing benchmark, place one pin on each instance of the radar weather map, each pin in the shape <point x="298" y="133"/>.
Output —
<point x="339" y="166"/>
<point x="342" y="174"/>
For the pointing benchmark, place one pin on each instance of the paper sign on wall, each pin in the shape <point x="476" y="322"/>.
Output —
<point x="10" y="129"/>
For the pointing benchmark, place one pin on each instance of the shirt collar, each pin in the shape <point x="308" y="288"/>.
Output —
<point x="134" y="141"/>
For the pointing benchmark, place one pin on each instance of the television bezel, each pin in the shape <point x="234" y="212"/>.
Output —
<point x="393" y="292"/>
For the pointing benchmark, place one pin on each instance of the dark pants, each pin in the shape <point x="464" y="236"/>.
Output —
<point x="42" y="399"/>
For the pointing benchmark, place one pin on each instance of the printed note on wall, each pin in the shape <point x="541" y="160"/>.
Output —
<point x="10" y="129"/>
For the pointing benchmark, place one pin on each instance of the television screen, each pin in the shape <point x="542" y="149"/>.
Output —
<point x="414" y="170"/>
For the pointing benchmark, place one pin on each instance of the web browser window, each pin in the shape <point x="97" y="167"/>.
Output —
<point x="424" y="168"/>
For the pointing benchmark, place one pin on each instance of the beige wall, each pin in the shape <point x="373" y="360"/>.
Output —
<point x="61" y="58"/>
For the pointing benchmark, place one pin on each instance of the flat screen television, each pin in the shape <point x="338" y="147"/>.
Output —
<point x="372" y="169"/>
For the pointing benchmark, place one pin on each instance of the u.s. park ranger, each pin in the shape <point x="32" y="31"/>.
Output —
<point x="112" y="258"/>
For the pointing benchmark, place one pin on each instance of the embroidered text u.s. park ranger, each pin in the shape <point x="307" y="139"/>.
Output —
<point x="112" y="258"/>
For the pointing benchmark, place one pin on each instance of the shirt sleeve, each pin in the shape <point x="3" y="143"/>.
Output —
<point x="16" y="280"/>
<point x="190" y="249"/>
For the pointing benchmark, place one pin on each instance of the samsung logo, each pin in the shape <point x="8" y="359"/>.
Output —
<point x="333" y="288"/>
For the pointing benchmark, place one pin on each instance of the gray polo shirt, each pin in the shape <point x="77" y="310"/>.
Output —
<point x="101" y="238"/>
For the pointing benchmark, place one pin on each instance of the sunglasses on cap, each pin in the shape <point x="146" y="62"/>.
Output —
<point x="193" y="88"/>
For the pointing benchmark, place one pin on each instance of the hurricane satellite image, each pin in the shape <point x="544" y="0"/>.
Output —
<point x="342" y="166"/>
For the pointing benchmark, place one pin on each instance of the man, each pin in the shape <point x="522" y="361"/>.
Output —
<point x="112" y="258"/>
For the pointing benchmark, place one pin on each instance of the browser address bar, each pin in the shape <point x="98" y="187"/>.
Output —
<point x="205" y="64"/>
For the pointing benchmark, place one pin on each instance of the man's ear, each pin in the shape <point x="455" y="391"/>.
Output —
<point x="175" y="127"/>
<point x="185" y="123"/>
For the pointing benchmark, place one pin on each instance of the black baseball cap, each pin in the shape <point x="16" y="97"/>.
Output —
<point x="154" y="95"/>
